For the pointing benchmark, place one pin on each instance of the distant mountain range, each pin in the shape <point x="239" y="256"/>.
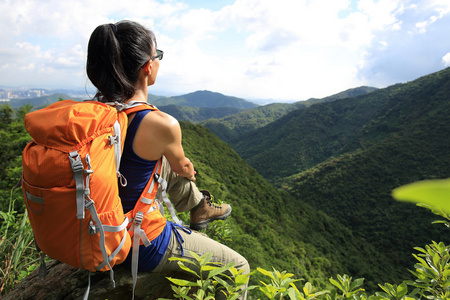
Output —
<point x="199" y="99"/>
<point x="214" y="102"/>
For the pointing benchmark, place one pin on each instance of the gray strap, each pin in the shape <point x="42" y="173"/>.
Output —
<point x="135" y="254"/>
<point x="146" y="200"/>
<point x="142" y="235"/>
<point x="77" y="167"/>
<point x="151" y="208"/>
<point x="39" y="200"/>
<point x="116" y="141"/>
<point x="42" y="268"/>
<point x="114" y="253"/>
<point x="122" y="106"/>
<point x="88" y="171"/>
<point x="86" y="293"/>
<point x="117" y="228"/>
<point x="36" y="199"/>
<point x="163" y="185"/>
<point x="90" y="205"/>
<point x="144" y="238"/>
<point x="121" y="227"/>
<point x="122" y="242"/>
<point x="117" y="145"/>
<point x="149" y="191"/>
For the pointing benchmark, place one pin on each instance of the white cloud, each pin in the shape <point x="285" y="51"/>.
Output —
<point x="285" y="49"/>
<point x="446" y="60"/>
<point x="411" y="52"/>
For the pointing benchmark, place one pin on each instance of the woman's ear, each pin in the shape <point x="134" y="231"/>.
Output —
<point x="148" y="67"/>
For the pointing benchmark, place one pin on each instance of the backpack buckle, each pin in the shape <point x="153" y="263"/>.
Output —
<point x="75" y="162"/>
<point x="92" y="229"/>
<point x="113" y="139"/>
<point x="138" y="218"/>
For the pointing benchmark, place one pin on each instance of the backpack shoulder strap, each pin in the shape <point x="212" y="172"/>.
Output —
<point x="132" y="106"/>
<point x="135" y="106"/>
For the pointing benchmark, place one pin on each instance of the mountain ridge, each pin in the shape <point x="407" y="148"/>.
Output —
<point x="230" y="128"/>
<point x="206" y="99"/>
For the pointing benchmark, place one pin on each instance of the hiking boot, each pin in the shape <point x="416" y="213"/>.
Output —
<point x="206" y="211"/>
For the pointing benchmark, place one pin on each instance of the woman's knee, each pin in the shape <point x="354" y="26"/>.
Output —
<point x="242" y="264"/>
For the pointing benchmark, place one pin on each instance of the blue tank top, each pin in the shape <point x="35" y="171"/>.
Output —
<point x="137" y="171"/>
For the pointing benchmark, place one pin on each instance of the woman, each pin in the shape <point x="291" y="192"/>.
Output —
<point x="122" y="62"/>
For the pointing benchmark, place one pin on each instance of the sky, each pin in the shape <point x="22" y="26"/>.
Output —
<point x="259" y="50"/>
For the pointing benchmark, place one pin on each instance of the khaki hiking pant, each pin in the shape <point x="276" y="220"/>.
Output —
<point x="185" y="195"/>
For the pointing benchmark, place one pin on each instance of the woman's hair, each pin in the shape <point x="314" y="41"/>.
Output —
<point x="116" y="53"/>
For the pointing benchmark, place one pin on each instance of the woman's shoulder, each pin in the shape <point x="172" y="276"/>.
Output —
<point x="160" y="121"/>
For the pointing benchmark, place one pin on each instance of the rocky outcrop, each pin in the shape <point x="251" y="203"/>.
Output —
<point x="64" y="282"/>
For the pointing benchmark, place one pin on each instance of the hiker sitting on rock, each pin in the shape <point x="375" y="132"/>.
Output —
<point x="122" y="62"/>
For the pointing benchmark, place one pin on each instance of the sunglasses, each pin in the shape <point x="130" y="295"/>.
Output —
<point x="159" y="55"/>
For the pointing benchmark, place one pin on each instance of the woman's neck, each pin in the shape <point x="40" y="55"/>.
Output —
<point x="141" y="87"/>
<point x="140" y="95"/>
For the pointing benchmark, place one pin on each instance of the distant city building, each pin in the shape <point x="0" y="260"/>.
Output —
<point x="6" y="95"/>
<point x="35" y="93"/>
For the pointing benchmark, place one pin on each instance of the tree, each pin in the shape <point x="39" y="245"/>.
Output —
<point x="6" y="113"/>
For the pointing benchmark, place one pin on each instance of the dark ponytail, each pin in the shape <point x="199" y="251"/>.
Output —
<point x="116" y="52"/>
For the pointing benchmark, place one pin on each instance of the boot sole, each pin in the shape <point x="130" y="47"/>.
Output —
<point x="203" y="224"/>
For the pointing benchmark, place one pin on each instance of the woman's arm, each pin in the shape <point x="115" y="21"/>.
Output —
<point x="160" y="134"/>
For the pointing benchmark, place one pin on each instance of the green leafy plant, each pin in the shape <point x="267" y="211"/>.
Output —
<point x="433" y="271"/>
<point x="349" y="288"/>
<point x="396" y="292"/>
<point x="238" y="280"/>
<point x="433" y="194"/>
<point x="308" y="292"/>
<point x="210" y="277"/>
<point x="18" y="256"/>
<point x="280" y="283"/>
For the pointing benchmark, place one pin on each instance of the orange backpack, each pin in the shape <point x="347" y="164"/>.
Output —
<point x="70" y="185"/>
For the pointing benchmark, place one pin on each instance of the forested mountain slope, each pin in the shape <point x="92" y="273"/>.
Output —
<point x="197" y="114"/>
<point x="356" y="190"/>
<point x="306" y="137"/>
<point x="271" y="228"/>
<point x="232" y="127"/>
<point x="354" y="151"/>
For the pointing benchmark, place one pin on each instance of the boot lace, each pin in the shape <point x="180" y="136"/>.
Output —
<point x="213" y="205"/>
